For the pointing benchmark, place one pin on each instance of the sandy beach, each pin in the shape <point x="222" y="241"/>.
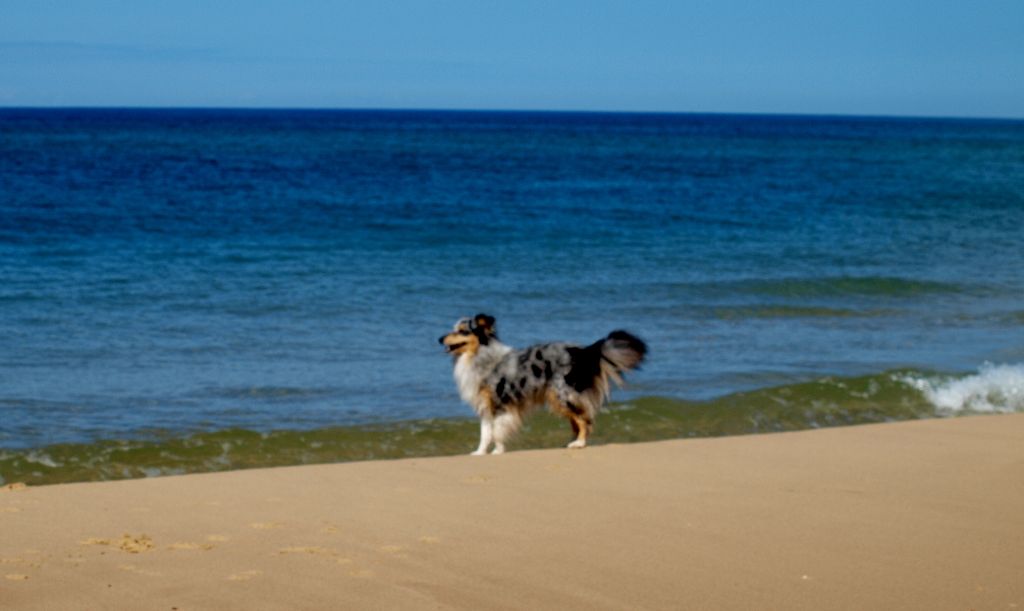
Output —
<point x="914" y="515"/>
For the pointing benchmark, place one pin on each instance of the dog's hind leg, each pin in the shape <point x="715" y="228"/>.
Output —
<point x="578" y="418"/>
<point x="486" y="434"/>
<point x="581" y="427"/>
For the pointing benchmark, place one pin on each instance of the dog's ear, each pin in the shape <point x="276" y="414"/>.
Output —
<point x="485" y="323"/>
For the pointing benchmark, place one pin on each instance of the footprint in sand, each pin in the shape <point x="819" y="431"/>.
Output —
<point x="394" y="550"/>
<point x="131" y="568"/>
<point x="362" y="573"/>
<point x="429" y="539"/>
<point x="477" y="479"/>
<point x="135" y="545"/>
<point x="244" y="575"/>
<point x="217" y="538"/>
<point x="128" y="543"/>
<point x="16" y="577"/>
<point x="265" y="525"/>
<point x="320" y="551"/>
<point x="188" y="545"/>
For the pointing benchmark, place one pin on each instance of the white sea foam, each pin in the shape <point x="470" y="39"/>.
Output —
<point x="41" y="458"/>
<point x="995" y="388"/>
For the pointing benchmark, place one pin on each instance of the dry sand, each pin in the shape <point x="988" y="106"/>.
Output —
<point x="916" y="515"/>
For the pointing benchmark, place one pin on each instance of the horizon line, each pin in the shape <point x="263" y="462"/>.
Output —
<point x="821" y="115"/>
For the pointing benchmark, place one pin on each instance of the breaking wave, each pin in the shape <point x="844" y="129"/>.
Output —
<point x="995" y="388"/>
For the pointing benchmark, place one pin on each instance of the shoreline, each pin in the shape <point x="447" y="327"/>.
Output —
<point x="893" y="395"/>
<point x="922" y="514"/>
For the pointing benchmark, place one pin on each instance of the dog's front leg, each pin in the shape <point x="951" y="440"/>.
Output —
<point x="486" y="435"/>
<point x="505" y="425"/>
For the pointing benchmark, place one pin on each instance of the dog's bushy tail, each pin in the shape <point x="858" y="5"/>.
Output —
<point x="603" y="361"/>
<point x="622" y="351"/>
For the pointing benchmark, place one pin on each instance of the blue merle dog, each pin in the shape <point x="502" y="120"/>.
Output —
<point x="502" y="384"/>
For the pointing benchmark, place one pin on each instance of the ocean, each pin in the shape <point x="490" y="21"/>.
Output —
<point x="195" y="290"/>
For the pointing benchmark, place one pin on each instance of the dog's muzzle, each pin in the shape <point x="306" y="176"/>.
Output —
<point x="451" y="348"/>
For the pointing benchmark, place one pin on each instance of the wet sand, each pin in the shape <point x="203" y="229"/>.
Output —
<point x="913" y="515"/>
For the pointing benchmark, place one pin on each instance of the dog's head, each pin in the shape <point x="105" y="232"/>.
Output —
<point x="469" y="334"/>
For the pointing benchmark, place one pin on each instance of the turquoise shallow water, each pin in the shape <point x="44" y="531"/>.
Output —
<point x="174" y="275"/>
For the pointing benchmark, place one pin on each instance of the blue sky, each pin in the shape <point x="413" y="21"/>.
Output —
<point x="893" y="57"/>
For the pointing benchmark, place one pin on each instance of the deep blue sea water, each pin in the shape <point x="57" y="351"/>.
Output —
<point x="165" y="272"/>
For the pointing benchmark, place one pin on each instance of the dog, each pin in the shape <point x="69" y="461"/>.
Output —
<point x="502" y="384"/>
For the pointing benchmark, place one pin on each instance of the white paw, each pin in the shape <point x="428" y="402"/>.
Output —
<point x="576" y="445"/>
<point x="498" y="450"/>
<point x="478" y="453"/>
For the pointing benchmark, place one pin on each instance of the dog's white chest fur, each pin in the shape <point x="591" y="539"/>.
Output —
<point x="470" y="370"/>
<point x="467" y="378"/>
